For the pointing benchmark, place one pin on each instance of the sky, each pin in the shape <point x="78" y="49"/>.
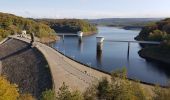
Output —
<point x="87" y="9"/>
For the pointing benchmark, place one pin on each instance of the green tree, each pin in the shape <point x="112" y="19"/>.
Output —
<point x="10" y="24"/>
<point x="90" y="93"/>
<point x="65" y="94"/>
<point x="120" y="88"/>
<point x="104" y="89"/>
<point x="48" y="95"/>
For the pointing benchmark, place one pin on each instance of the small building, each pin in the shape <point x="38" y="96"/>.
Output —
<point x="80" y="33"/>
<point x="24" y="33"/>
<point x="100" y="39"/>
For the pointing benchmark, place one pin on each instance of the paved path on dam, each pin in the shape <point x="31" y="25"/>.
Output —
<point x="63" y="69"/>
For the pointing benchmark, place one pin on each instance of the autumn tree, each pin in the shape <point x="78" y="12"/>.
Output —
<point x="8" y="91"/>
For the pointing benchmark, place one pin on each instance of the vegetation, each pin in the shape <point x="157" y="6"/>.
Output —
<point x="26" y="97"/>
<point x="69" y="25"/>
<point x="119" y="88"/>
<point x="161" y="94"/>
<point x="65" y="94"/>
<point x="159" y="31"/>
<point x="11" y="24"/>
<point x="8" y="91"/>
<point x="48" y="95"/>
<point x="126" y="23"/>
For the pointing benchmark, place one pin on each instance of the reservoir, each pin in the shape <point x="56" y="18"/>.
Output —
<point x="114" y="55"/>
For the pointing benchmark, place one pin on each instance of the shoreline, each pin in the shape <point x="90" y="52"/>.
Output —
<point x="133" y="80"/>
<point x="85" y="33"/>
<point x="147" y="55"/>
<point x="125" y="27"/>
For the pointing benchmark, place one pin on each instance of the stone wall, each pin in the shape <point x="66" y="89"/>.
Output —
<point x="25" y="66"/>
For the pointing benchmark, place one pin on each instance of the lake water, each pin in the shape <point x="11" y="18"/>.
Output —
<point x="114" y="55"/>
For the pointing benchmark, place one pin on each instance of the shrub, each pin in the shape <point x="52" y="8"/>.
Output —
<point x="8" y="91"/>
<point x="90" y="93"/>
<point x="157" y="35"/>
<point x="48" y="95"/>
<point x="120" y="88"/>
<point x="65" y="94"/>
<point x="161" y="94"/>
<point x="26" y="97"/>
<point x="104" y="89"/>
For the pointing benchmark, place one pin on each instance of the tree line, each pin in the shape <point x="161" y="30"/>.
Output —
<point x="11" y="24"/>
<point x="69" y="25"/>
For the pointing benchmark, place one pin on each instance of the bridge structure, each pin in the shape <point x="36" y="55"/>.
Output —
<point x="79" y="35"/>
<point x="129" y="43"/>
<point x="100" y="40"/>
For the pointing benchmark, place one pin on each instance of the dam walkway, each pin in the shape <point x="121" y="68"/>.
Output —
<point x="63" y="69"/>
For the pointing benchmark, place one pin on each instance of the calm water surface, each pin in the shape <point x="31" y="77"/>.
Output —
<point x="114" y="55"/>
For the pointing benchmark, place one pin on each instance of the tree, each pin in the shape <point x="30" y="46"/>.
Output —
<point x="10" y="24"/>
<point x="65" y="94"/>
<point x="8" y="91"/>
<point x="48" y="95"/>
<point x="120" y="88"/>
<point x="104" y="89"/>
<point x="26" y="97"/>
<point x="161" y="94"/>
<point x="90" y="93"/>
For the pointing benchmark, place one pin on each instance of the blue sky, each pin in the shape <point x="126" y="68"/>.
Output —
<point x="87" y="8"/>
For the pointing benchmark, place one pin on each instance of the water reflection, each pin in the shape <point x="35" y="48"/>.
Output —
<point x="80" y="44"/>
<point x="99" y="57"/>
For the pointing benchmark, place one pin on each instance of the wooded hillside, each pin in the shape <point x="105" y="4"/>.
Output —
<point x="69" y="25"/>
<point x="11" y="24"/>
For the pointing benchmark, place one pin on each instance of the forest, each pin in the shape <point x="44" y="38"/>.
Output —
<point x="69" y="25"/>
<point x="158" y="31"/>
<point x="11" y="24"/>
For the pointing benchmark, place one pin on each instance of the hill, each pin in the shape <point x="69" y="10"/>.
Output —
<point x="11" y="24"/>
<point x="127" y="23"/>
<point x="69" y="25"/>
<point x="159" y="31"/>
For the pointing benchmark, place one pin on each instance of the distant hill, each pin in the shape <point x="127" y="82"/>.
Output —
<point x="124" y="22"/>
<point x="11" y="24"/>
<point x="69" y="25"/>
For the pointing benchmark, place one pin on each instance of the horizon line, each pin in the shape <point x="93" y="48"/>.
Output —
<point x="122" y="17"/>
